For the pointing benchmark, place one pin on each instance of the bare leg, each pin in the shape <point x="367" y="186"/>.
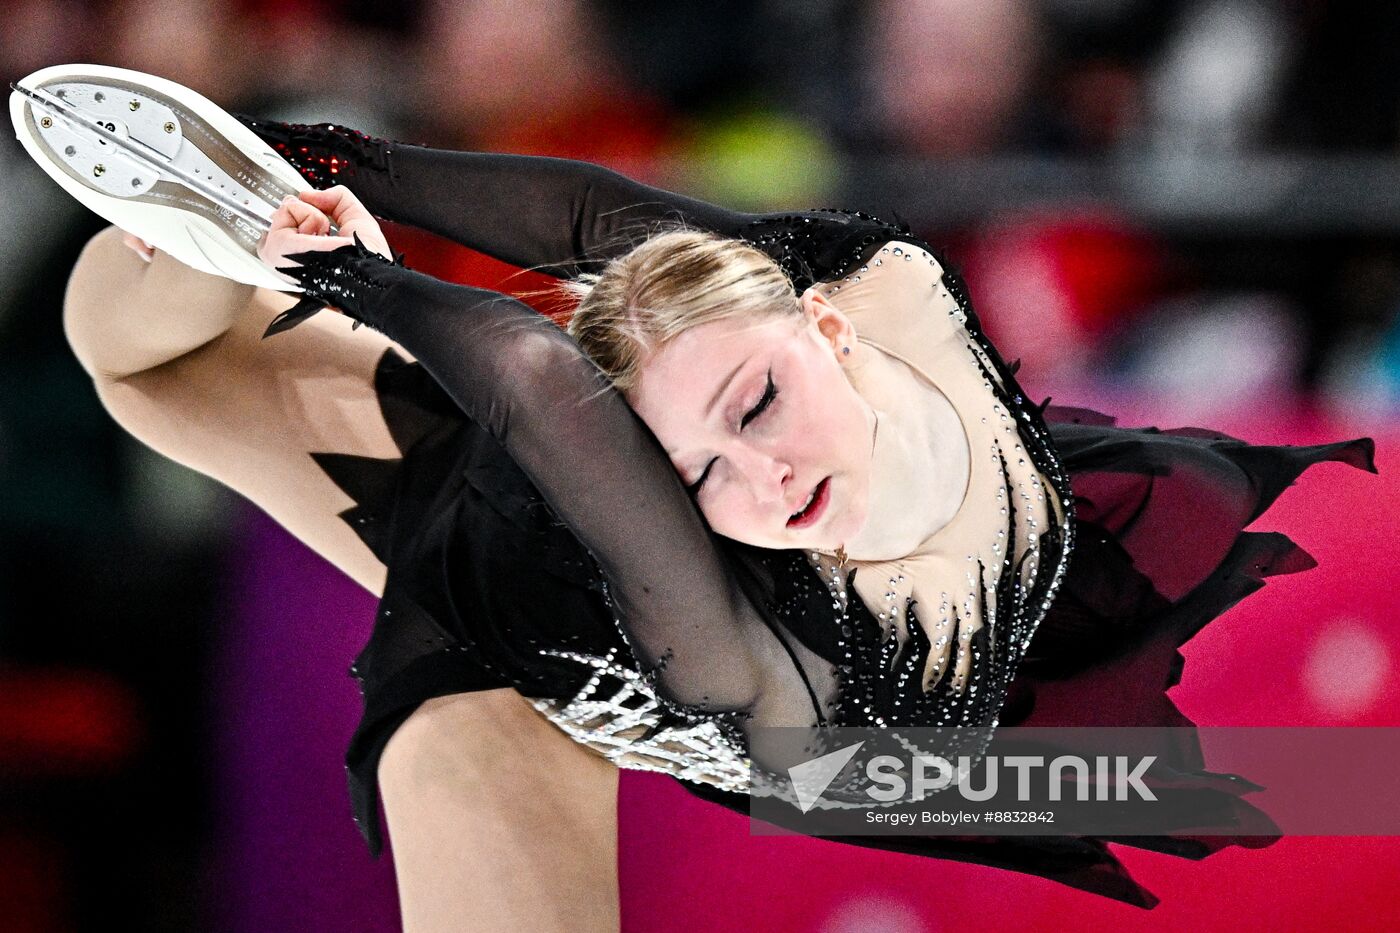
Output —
<point x="176" y="358"/>
<point x="498" y="820"/>
<point x="468" y="771"/>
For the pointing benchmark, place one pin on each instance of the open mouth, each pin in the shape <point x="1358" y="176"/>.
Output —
<point x="816" y="505"/>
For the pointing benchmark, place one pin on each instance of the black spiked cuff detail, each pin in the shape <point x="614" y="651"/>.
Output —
<point x="347" y="277"/>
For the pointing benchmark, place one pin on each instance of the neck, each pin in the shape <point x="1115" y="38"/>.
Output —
<point x="919" y="467"/>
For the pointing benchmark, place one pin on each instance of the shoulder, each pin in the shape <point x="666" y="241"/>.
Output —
<point x="898" y="297"/>
<point x="818" y="245"/>
<point x="830" y="245"/>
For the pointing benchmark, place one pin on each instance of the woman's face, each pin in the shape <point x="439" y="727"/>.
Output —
<point x="762" y="424"/>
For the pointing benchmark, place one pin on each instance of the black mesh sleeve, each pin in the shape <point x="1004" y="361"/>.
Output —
<point x="558" y="216"/>
<point x="679" y="604"/>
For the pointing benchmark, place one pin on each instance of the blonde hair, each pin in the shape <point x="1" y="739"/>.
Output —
<point x="674" y="280"/>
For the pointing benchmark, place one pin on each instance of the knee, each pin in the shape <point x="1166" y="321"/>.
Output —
<point x="104" y="265"/>
<point x="123" y="315"/>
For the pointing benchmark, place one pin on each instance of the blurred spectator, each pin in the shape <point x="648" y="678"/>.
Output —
<point x="199" y="43"/>
<point x="949" y="77"/>
<point x="1218" y="79"/>
<point x="758" y="160"/>
<point x="537" y="77"/>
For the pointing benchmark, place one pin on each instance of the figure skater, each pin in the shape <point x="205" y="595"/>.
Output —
<point x="772" y="474"/>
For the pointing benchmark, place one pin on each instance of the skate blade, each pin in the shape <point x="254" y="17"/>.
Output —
<point x="130" y="151"/>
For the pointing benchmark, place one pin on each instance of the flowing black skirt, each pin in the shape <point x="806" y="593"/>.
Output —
<point x="482" y="576"/>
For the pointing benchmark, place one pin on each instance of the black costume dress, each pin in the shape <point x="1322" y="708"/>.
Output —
<point x="537" y="537"/>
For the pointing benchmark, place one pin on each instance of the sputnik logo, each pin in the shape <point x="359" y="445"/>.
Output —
<point x="811" y="778"/>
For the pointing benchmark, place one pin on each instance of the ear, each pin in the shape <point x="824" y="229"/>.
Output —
<point x="833" y="327"/>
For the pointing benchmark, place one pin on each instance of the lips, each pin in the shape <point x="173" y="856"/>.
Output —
<point x="814" y="507"/>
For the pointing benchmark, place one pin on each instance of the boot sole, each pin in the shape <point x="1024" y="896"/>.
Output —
<point x="162" y="210"/>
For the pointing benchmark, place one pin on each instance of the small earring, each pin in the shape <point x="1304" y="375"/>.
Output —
<point x="846" y="350"/>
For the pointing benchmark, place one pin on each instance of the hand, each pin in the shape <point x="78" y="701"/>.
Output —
<point x="303" y="224"/>
<point x="143" y="249"/>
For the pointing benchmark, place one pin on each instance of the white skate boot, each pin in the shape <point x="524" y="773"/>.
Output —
<point x="159" y="161"/>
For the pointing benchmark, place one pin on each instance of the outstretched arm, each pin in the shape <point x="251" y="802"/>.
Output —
<point x="560" y="216"/>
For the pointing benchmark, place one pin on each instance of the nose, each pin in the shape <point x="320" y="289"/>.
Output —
<point x="767" y="476"/>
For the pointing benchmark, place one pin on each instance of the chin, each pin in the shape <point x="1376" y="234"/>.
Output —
<point x="848" y="525"/>
<point x="837" y="534"/>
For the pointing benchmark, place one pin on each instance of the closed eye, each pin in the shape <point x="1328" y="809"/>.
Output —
<point x="694" y="487"/>
<point x="770" y="392"/>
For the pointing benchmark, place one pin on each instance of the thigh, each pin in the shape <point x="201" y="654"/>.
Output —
<point x="246" y="411"/>
<point x="498" y="821"/>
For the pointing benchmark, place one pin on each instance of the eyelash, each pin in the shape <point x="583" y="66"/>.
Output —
<point x="769" y="394"/>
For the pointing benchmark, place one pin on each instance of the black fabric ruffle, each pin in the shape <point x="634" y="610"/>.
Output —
<point x="482" y="575"/>
<point x="1108" y="650"/>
